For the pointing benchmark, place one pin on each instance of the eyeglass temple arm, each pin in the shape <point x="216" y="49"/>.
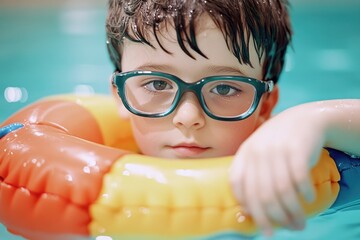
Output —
<point x="269" y="86"/>
<point x="113" y="77"/>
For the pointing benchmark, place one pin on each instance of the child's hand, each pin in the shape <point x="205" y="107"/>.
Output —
<point x="272" y="167"/>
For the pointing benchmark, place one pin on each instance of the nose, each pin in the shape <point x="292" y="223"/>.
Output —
<point x="189" y="113"/>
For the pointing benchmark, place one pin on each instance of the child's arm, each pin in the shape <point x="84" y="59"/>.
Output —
<point x="273" y="164"/>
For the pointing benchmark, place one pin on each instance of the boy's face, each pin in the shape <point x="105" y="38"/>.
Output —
<point x="188" y="132"/>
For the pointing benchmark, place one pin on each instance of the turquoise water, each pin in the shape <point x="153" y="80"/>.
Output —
<point x="60" y="50"/>
<point x="50" y="51"/>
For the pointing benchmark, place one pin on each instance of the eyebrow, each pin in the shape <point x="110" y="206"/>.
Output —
<point x="225" y="70"/>
<point x="212" y="69"/>
<point x="151" y="67"/>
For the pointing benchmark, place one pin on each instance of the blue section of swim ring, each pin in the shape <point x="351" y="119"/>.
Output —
<point x="349" y="169"/>
<point x="9" y="128"/>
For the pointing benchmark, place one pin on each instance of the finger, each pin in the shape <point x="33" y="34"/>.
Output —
<point x="301" y="176"/>
<point x="287" y="194"/>
<point x="269" y="197"/>
<point x="261" y="220"/>
<point x="252" y="193"/>
<point x="306" y="188"/>
<point x="237" y="170"/>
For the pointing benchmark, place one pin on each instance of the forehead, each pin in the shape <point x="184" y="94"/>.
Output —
<point x="203" y="23"/>
<point x="210" y="40"/>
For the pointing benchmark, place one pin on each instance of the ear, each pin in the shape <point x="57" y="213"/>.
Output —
<point x="268" y="103"/>
<point x="123" y="112"/>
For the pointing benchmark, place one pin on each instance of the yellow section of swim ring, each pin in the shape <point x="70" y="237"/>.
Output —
<point x="145" y="196"/>
<point x="116" y="132"/>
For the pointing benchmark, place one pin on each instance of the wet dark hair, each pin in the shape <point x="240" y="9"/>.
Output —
<point x="267" y="21"/>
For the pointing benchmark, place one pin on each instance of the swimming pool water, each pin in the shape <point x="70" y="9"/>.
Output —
<point x="61" y="50"/>
<point x="45" y="51"/>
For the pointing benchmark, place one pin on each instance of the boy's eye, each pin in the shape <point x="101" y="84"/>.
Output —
<point x="157" y="85"/>
<point x="225" y="90"/>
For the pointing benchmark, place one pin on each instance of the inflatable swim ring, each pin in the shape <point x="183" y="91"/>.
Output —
<point x="74" y="169"/>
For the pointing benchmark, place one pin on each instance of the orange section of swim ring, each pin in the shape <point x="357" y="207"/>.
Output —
<point x="49" y="176"/>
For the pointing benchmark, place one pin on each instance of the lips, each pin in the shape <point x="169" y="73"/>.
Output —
<point x="189" y="149"/>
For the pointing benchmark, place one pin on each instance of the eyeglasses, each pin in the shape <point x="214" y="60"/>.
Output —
<point x="157" y="94"/>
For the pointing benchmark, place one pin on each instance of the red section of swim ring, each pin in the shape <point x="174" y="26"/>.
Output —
<point x="49" y="178"/>
<point x="75" y="119"/>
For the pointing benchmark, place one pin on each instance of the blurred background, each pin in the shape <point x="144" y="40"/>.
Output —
<point x="51" y="47"/>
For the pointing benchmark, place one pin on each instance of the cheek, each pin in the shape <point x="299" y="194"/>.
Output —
<point x="234" y="134"/>
<point x="147" y="133"/>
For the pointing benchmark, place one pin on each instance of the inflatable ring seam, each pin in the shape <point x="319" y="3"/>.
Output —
<point x="50" y="124"/>
<point x="21" y="188"/>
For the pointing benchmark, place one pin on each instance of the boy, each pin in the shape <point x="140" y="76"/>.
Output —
<point x="198" y="79"/>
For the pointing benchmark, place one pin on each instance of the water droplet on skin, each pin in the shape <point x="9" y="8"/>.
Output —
<point x="157" y="26"/>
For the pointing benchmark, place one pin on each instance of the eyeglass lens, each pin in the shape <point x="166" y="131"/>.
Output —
<point x="154" y="95"/>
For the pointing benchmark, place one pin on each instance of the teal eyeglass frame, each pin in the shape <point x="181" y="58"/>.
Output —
<point x="261" y="87"/>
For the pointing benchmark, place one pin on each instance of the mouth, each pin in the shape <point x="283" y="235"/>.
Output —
<point x="188" y="150"/>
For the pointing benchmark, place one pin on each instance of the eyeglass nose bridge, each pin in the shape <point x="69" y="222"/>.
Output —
<point x="194" y="88"/>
